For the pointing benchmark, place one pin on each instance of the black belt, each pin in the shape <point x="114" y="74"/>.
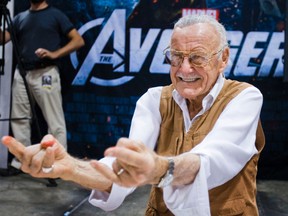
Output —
<point x="36" y="65"/>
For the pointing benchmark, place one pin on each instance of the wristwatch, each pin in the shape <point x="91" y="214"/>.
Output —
<point x="168" y="177"/>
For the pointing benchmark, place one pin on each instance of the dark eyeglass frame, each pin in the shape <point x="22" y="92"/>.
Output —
<point x="181" y="54"/>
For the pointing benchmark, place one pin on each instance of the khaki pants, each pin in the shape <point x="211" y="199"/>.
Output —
<point x="45" y="89"/>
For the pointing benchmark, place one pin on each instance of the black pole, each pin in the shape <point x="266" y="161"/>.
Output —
<point x="285" y="57"/>
<point x="2" y="60"/>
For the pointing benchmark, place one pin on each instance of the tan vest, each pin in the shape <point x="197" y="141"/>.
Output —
<point x="235" y="197"/>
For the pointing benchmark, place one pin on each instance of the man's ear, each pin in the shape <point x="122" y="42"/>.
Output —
<point x="225" y="55"/>
<point x="224" y="59"/>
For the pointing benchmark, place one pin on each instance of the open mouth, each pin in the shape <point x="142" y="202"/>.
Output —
<point x="189" y="79"/>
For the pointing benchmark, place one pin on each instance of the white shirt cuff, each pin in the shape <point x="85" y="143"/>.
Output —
<point x="109" y="201"/>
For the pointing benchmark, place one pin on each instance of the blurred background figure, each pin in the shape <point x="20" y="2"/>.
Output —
<point x="40" y="33"/>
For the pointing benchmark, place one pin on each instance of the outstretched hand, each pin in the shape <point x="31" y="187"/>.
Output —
<point x="44" y="155"/>
<point x="135" y="164"/>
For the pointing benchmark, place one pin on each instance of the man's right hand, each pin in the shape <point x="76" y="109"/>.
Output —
<point x="44" y="155"/>
<point x="51" y="154"/>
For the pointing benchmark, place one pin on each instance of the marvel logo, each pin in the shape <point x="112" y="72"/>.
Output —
<point x="211" y="12"/>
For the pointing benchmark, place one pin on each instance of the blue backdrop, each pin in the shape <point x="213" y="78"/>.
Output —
<point x="122" y="58"/>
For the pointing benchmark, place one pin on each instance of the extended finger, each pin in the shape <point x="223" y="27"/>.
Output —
<point x="123" y="178"/>
<point x="126" y="156"/>
<point x="15" y="147"/>
<point x="48" y="141"/>
<point x="131" y="144"/>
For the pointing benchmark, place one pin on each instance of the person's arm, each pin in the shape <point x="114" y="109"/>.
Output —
<point x="85" y="175"/>
<point x="232" y="137"/>
<point x="143" y="166"/>
<point x="49" y="152"/>
<point x="6" y="35"/>
<point x="75" y="42"/>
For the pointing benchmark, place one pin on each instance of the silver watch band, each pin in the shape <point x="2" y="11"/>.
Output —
<point x="168" y="178"/>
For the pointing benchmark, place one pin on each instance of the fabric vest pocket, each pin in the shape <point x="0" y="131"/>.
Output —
<point x="233" y="207"/>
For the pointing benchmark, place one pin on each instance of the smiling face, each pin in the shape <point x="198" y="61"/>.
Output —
<point x="194" y="83"/>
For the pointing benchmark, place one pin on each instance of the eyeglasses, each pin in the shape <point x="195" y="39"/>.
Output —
<point x="196" y="59"/>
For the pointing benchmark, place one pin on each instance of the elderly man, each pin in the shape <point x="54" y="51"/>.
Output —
<point x="196" y="141"/>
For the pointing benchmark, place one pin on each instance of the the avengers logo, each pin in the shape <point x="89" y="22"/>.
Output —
<point x="115" y="25"/>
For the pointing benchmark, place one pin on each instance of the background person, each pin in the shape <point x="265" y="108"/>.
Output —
<point x="196" y="141"/>
<point x="39" y="32"/>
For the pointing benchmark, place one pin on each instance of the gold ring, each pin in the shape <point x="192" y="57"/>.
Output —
<point x="120" y="171"/>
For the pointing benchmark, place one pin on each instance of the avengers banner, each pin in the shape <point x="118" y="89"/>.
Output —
<point x="123" y="57"/>
<point x="125" y="39"/>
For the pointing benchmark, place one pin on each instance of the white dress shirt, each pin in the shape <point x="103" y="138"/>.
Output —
<point x="223" y="152"/>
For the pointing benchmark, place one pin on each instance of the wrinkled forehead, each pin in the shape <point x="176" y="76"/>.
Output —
<point x="196" y="36"/>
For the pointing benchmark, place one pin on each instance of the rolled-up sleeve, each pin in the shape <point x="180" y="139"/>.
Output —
<point x="109" y="201"/>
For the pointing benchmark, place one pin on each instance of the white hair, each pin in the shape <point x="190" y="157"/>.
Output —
<point x="194" y="19"/>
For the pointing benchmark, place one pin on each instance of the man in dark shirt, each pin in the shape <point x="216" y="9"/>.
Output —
<point x="39" y="32"/>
